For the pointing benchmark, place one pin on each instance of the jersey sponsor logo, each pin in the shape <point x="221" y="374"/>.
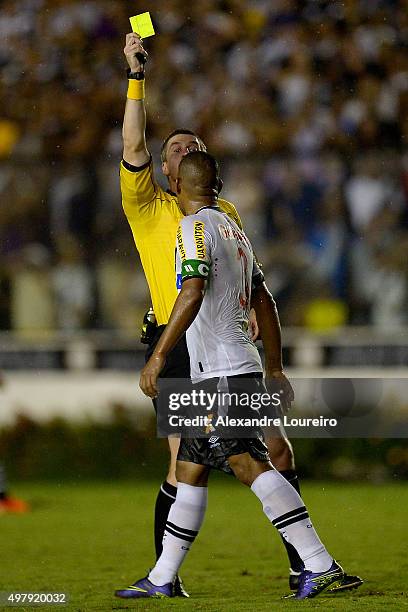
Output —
<point x="227" y="232"/>
<point x="178" y="281"/>
<point x="180" y="243"/>
<point x="199" y="239"/>
<point x="194" y="268"/>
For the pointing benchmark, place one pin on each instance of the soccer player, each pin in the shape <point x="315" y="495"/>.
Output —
<point x="216" y="269"/>
<point x="153" y="215"/>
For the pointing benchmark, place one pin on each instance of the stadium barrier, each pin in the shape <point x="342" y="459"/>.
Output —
<point x="70" y="404"/>
<point x="79" y="376"/>
<point x="108" y="350"/>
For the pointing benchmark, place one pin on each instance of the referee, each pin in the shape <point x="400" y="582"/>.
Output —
<point x="153" y="215"/>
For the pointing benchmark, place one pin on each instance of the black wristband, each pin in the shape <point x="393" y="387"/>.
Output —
<point x="139" y="76"/>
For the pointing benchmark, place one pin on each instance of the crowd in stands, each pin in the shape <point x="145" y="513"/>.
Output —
<point x="304" y="102"/>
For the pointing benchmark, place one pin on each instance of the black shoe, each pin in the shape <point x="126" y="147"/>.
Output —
<point x="347" y="584"/>
<point x="294" y="578"/>
<point x="178" y="588"/>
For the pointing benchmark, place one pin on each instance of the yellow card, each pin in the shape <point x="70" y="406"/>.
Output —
<point x="142" y="25"/>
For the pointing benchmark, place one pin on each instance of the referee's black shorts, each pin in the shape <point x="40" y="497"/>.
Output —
<point x="177" y="362"/>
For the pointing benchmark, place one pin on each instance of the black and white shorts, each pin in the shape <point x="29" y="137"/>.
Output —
<point x="214" y="450"/>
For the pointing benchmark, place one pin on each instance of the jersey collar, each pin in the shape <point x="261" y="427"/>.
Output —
<point x="204" y="207"/>
<point x="170" y="192"/>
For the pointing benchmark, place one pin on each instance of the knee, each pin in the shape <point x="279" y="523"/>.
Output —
<point x="247" y="471"/>
<point x="241" y="471"/>
<point x="179" y="473"/>
<point x="191" y="474"/>
<point x="243" y="476"/>
<point x="281" y="453"/>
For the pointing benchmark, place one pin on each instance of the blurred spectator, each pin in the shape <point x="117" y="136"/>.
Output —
<point x="367" y="192"/>
<point x="304" y="102"/>
<point x="72" y="283"/>
<point x="121" y="292"/>
<point x="379" y="272"/>
<point x="32" y="303"/>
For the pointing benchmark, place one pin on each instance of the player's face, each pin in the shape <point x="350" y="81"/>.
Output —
<point x="177" y="147"/>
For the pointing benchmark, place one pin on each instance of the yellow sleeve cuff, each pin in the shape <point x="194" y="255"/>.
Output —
<point x="136" y="89"/>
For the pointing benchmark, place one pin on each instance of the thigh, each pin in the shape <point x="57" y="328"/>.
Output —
<point x="204" y="451"/>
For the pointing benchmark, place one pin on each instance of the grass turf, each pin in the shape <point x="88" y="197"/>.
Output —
<point x="88" y="539"/>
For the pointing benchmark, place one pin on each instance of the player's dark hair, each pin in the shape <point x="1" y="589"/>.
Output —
<point x="201" y="168"/>
<point x="163" y="150"/>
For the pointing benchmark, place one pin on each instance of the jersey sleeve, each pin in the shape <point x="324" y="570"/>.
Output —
<point x="231" y="211"/>
<point x="139" y="189"/>
<point x="194" y="245"/>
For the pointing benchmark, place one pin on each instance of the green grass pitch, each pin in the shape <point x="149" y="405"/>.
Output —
<point x="88" y="539"/>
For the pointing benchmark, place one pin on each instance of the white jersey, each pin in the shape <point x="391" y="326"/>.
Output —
<point x="210" y="245"/>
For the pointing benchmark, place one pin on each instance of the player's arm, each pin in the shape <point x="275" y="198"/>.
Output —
<point x="193" y="248"/>
<point x="184" y="312"/>
<point x="135" y="150"/>
<point x="270" y="330"/>
<point x="269" y="325"/>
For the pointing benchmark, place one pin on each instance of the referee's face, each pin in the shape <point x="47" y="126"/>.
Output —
<point x="177" y="147"/>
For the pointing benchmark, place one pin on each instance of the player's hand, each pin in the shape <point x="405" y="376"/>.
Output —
<point x="276" y="382"/>
<point x="150" y="374"/>
<point x="134" y="45"/>
<point x="253" y="329"/>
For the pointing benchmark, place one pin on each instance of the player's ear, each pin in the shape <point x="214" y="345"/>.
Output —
<point x="178" y="185"/>
<point x="165" y="169"/>
<point x="219" y="185"/>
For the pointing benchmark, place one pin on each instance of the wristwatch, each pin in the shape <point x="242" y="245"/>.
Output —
<point x="139" y="76"/>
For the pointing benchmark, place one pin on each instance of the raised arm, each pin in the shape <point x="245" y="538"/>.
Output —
<point x="134" y="124"/>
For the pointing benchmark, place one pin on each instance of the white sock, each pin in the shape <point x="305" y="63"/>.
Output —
<point x="285" y="509"/>
<point x="183" y="523"/>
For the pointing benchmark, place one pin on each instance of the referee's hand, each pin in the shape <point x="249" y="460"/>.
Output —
<point x="134" y="45"/>
<point x="150" y="374"/>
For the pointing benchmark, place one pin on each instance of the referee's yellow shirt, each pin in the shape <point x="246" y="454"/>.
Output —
<point x="153" y="216"/>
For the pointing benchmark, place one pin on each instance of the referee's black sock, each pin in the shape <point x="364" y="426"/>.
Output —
<point x="295" y="562"/>
<point x="292" y="477"/>
<point x="165" y="499"/>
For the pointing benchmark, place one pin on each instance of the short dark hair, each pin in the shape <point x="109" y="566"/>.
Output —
<point x="201" y="168"/>
<point x="163" y="150"/>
